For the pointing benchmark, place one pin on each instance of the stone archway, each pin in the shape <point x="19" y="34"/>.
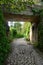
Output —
<point x="33" y="19"/>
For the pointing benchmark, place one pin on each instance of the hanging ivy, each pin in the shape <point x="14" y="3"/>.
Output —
<point x="4" y="42"/>
<point x="15" y="5"/>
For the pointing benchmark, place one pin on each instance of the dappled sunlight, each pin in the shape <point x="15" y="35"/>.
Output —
<point x="11" y="23"/>
<point x="19" y="29"/>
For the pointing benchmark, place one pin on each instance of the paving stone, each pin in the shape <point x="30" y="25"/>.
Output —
<point x="23" y="54"/>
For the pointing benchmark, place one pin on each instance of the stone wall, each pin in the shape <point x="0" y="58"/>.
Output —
<point x="40" y="34"/>
<point x="34" y="33"/>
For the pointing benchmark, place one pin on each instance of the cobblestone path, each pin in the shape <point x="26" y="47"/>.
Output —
<point x="23" y="54"/>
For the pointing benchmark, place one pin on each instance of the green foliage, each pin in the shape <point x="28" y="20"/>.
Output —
<point x="39" y="12"/>
<point x="15" y="6"/>
<point x="40" y="36"/>
<point x="26" y="29"/>
<point x="4" y="43"/>
<point x="40" y="31"/>
<point x="18" y="27"/>
<point x="19" y="35"/>
<point x="15" y="31"/>
<point x="19" y="30"/>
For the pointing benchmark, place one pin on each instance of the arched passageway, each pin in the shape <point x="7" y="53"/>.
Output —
<point x="33" y="19"/>
<point x="27" y="52"/>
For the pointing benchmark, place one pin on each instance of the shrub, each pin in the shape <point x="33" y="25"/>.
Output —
<point x="19" y="35"/>
<point x="14" y="32"/>
<point x="4" y="42"/>
<point x="40" y="36"/>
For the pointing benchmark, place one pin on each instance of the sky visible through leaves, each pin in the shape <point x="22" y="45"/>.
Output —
<point x="12" y="23"/>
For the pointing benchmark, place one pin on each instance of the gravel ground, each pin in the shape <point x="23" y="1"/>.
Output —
<point x="23" y="54"/>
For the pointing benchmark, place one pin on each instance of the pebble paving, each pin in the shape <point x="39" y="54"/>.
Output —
<point x="23" y="54"/>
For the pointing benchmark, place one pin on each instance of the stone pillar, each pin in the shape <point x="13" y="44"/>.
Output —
<point x="33" y="33"/>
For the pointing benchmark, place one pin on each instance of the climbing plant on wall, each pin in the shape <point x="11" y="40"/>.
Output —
<point x="40" y="36"/>
<point x="26" y="30"/>
<point x="15" y="5"/>
<point x="4" y="43"/>
<point x="40" y="32"/>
